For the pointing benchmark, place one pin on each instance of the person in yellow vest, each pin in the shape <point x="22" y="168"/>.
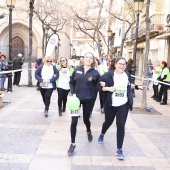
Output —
<point x="165" y="78"/>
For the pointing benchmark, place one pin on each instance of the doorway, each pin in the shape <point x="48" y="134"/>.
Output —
<point x="17" y="46"/>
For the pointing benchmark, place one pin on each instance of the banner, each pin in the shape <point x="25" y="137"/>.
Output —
<point x="51" y="44"/>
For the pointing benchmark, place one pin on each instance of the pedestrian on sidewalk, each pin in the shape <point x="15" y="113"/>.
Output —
<point x="116" y="83"/>
<point x="156" y="73"/>
<point x="83" y="85"/>
<point x="63" y="86"/>
<point x="17" y="64"/>
<point x="3" y="67"/>
<point x="165" y="78"/>
<point x="46" y="74"/>
<point x="150" y="68"/>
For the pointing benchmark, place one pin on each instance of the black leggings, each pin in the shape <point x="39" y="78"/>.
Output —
<point x="86" y="115"/>
<point x="46" y="96"/>
<point x="121" y="113"/>
<point x="62" y="97"/>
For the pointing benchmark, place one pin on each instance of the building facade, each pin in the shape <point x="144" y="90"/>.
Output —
<point x="20" y="33"/>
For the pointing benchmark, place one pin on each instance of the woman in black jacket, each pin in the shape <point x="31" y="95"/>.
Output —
<point x="116" y="84"/>
<point x="83" y="84"/>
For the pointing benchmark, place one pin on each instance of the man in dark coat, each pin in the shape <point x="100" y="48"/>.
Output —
<point x="17" y="64"/>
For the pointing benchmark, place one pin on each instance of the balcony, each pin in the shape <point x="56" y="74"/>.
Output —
<point x="158" y="21"/>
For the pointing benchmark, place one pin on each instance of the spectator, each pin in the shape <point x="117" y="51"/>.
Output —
<point x="156" y="73"/>
<point x="150" y="68"/>
<point x="3" y="67"/>
<point x="17" y="64"/>
<point x="129" y="65"/>
<point x="165" y="78"/>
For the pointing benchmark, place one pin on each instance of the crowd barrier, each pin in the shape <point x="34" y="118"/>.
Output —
<point x="33" y="69"/>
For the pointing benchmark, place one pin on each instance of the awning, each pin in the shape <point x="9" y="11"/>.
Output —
<point x="164" y="36"/>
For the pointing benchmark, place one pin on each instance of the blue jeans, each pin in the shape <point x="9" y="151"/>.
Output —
<point x="2" y="81"/>
<point x="149" y="81"/>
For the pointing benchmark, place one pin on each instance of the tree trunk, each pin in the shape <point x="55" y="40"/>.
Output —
<point x="123" y="39"/>
<point x="144" y="94"/>
<point x="30" y="44"/>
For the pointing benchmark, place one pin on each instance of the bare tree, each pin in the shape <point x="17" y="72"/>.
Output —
<point x="52" y="15"/>
<point x="91" y="25"/>
<point x="144" y="96"/>
<point x="129" y="8"/>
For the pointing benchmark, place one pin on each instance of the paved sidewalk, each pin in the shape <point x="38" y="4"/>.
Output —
<point x="29" y="141"/>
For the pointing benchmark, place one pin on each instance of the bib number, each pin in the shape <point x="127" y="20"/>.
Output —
<point x="74" y="113"/>
<point x="119" y="94"/>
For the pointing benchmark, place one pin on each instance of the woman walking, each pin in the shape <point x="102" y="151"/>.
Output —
<point x="116" y="84"/>
<point x="63" y="86"/>
<point x="83" y="84"/>
<point x="46" y="74"/>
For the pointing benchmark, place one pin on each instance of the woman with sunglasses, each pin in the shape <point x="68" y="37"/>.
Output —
<point x="83" y="84"/>
<point x="63" y="86"/>
<point x="116" y="84"/>
<point x="46" y="74"/>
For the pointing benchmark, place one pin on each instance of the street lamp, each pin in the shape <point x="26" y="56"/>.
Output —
<point x="71" y="45"/>
<point x="10" y="4"/>
<point x="138" y="9"/>
<point x="109" y="34"/>
<point x="46" y="36"/>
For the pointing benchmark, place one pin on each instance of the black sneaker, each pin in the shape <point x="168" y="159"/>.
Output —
<point x="64" y="109"/>
<point x="89" y="136"/>
<point x="71" y="150"/>
<point x="60" y="112"/>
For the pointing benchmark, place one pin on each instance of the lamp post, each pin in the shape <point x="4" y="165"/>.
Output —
<point x="71" y="45"/>
<point x="10" y="5"/>
<point x="109" y="34"/>
<point x="138" y="9"/>
<point x="46" y="36"/>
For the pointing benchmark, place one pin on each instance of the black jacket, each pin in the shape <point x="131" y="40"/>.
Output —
<point x="84" y="85"/>
<point x="108" y="78"/>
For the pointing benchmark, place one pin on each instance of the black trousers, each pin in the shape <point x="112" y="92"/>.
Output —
<point x="120" y="113"/>
<point x="86" y="116"/>
<point x="155" y="90"/>
<point x="17" y="77"/>
<point x="46" y="96"/>
<point x="62" y="97"/>
<point x="163" y="92"/>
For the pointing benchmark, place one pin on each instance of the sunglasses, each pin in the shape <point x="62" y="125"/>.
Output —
<point x="49" y="61"/>
<point x="63" y="60"/>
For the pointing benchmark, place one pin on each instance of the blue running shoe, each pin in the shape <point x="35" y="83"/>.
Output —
<point x="101" y="138"/>
<point x="119" y="154"/>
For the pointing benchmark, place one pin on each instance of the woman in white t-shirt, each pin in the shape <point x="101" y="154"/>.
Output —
<point x="116" y="84"/>
<point x="63" y="86"/>
<point x="46" y="74"/>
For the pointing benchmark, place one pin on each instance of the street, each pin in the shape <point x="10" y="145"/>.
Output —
<point x="30" y="141"/>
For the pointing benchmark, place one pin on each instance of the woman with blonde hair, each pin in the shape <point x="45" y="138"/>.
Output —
<point x="63" y="86"/>
<point x="46" y="74"/>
